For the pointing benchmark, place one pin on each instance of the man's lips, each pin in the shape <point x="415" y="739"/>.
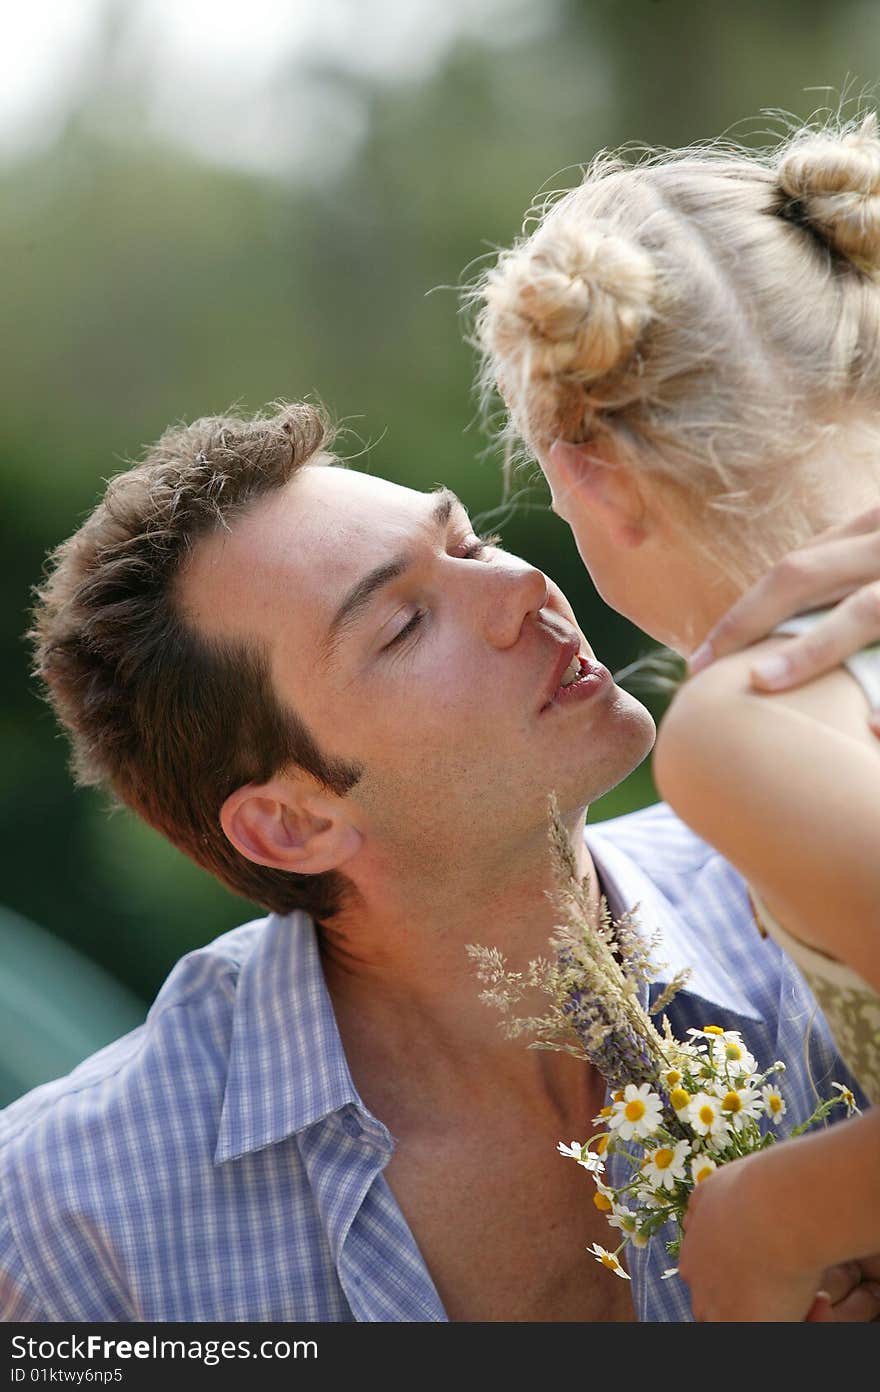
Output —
<point x="566" y="653"/>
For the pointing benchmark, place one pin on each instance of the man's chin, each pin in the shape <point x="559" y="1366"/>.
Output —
<point x="623" y="752"/>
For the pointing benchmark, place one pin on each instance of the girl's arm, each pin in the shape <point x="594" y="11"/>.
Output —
<point x="760" y="1231"/>
<point x="782" y="789"/>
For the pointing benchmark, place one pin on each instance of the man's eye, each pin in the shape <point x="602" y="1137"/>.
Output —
<point x="471" y="551"/>
<point x="407" y="629"/>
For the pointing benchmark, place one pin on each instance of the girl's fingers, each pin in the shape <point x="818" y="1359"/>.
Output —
<point x="820" y="1310"/>
<point x="819" y="574"/>
<point x="846" y="1297"/>
<point x="852" y="625"/>
<point x="861" y="1306"/>
<point x="840" y="1281"/>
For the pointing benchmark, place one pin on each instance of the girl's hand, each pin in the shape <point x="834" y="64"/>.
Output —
<point x="841" y="566"/>
<point x="850" y="1293"/>
<point x="732" y="1257"/>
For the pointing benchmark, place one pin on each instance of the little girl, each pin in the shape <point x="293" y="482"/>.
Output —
<point x="691" y="348"/>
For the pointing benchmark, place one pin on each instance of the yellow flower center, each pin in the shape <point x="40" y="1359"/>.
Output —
<point x="601" y="1144"/>
<point x="732" y="1102"/>
<point x="663" y="1157"/>
<point x="679" y="1098"/>
<point x="673" y="1077"/>
<point x="617" y="1096"/>
<point x="628" y="1223"/>
<point x="703" y="1173"/>
<point x="607" y="1111"/>
<point x="602" y="1202"/>
<point x="774" y="1101"/>
<point x="732" y="1051"/>
<point x="712" y="1029"/>
<point x="634" y="1110"/>
<point x="707" y="1114"/>
<point x="608" y="1260"/>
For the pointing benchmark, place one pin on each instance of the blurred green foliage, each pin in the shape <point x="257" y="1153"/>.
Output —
<point x="56" y="1007"/>
<point x="140" y="287"/>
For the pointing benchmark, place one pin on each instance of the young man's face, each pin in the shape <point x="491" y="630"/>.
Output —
<point x="413" y="651"/>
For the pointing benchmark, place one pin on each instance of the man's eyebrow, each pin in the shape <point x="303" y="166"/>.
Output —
<point x="360" y="595"/>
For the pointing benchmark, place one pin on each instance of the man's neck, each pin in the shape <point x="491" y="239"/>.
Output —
<point x="418" y="1039"/>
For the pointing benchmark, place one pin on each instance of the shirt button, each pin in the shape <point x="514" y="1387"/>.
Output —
<point x="350" y="1124"/>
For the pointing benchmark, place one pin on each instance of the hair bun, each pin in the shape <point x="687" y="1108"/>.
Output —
<point x="836" y="181"/>
<point x="576" y="300"/>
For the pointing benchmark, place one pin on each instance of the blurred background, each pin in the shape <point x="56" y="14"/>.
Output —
<point x="205" y="203"/>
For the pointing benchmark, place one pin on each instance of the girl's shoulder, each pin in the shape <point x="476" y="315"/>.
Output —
<point x="835" y="699"/>
<point x="787" y="787"/>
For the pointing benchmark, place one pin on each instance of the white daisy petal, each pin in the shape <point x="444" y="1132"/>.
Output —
<point x="608" y="1260"/>
<point x="574" y="1149"/>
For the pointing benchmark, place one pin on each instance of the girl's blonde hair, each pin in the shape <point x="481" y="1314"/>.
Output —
<point x="712" y="315"/>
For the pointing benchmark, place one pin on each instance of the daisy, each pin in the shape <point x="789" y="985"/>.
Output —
<point x="701" y="1168"/>
<point x="608" y="1259"/>
<point x="654" y="1198"/>
<point x="848" y="1097"/>
<point x="690" y="1053"/>
<point x="741" y="1105"/>
<point x="582" y="1155"/>
<point x="706" y="1117"/>
<point x="729" y="1050"/>
<point x="574" y="1149"/>
<point x="665" y="1166"/>
<point x="639" y="1112"/>
<point x="774" y="1104"/>
<point x="603" y="1197"/>
<point x="624" y="1219"/>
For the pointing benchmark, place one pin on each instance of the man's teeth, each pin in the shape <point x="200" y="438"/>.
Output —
<point x="572" y="671"/>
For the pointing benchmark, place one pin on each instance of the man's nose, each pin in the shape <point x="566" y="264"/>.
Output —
<point x="514" y="590"/>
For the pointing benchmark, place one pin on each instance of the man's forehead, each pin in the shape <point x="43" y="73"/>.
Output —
<point x="306" y="541"/>
<point x="348" y="495"/>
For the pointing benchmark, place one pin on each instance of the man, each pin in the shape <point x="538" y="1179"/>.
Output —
<point x="327" y="691"/>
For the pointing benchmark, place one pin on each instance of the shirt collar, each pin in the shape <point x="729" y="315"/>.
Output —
<point x="287" y="1066"/>
<point x="627" y="887"/>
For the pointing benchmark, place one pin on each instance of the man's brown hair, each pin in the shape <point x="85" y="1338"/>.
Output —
<point x="167" y="720"/>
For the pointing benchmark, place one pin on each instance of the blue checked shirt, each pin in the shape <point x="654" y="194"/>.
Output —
<point x="217" y="1164"/>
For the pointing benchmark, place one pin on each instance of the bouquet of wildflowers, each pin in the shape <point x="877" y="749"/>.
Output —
<point x="678" y="1109"/>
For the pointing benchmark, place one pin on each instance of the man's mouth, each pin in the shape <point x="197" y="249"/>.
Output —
<point x="578" y="678"/>
<point x="573" y="671"/>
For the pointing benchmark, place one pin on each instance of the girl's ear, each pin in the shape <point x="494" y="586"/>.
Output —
<point x="287" y="825"/>
<point x="580" y="479"/>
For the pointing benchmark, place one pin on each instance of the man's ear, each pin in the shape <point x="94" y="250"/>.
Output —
<point x="288" y="825"/>
<point x="580" y="479"/>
